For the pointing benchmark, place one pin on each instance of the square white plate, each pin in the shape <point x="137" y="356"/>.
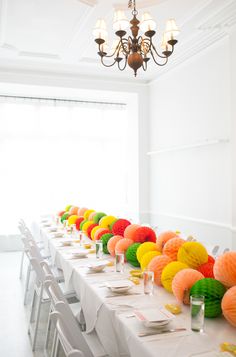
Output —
<point x="151" y="317"/>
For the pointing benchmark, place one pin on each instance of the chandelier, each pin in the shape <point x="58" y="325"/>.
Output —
<point x="135" y="49"/>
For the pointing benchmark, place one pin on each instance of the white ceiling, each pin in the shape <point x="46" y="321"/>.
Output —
<point x="56" y="35"/>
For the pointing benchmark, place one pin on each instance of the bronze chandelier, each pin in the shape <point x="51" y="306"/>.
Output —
<point x="136" y="50"/>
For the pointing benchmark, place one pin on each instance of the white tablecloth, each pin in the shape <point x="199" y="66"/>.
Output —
<point x="117" y="330"/>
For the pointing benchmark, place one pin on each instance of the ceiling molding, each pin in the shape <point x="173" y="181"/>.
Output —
<point x="89" y="2"/>
<point x="49" y="56"/>
<point x="141" y="4"/>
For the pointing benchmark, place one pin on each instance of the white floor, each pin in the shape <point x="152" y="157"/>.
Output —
<point x="14" y="340"/>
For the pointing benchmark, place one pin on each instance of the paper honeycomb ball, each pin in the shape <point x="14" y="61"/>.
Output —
<point x="207" y="270"/>
<point x="211" y="259"/>
<point x="112" y="244"/>
<point x="193" y="254"/>
<point x="122" y="245"/>
<point x="60" y="214"/>
<point x="87" y="213"/>
<point x="119" y="226"/>
<point x="72" y="219"/>
<point x="65" y="216"/>
<point x="147" y="258"/>
<point x="85" y="227"/>
<point x="98" y="216"/>
<point x="100" y="232"/>
<point x="91" y="216"/>
<point x="228" y="305"/>
<point x="144" y="234"/>
<point x="81" y="211"/>
<point x="67" y="208"/>
<point x="183" y="282"/>
<point x="105" y="239"/>
<point x="157" y="265"/>
<point x="225" y="269"/>
<point x="90" y="228"/>
<point x="163" y="238"/>
<point x="172" y="246"/>
<point x="131" y="254"/>
<point x="77" y="222"/>
<point x="145" y="248"/>
<point x="169" y="273"/>
<point x="213" y="291"/>
<point x="105" y="222"/>
<point x="74" y="210"/>
<point x="82" y="224"/>
<point x="94" y="230"/>
<point x="130" y="230"/>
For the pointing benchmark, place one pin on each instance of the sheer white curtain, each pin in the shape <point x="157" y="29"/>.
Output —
<point x="54" y="153"/>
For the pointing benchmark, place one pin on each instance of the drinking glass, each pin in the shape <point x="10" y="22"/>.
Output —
<point x="99" y="249"/>
<point x="197" y="306"/>
<point x="119" y="262"/>
<point x="148" y="282"/>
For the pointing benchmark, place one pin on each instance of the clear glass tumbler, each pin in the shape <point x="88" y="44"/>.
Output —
<point x="119" y="262"/>
<point x="99" y="249"/>
<point x="148" y="282"/>
<point x="197" y="306"/>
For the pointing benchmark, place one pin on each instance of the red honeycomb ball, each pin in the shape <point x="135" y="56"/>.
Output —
<point x="207" y="270"/>
<point x="144" y="234"/>
<point x="77" y="222"/>
<point x="119" y="226"/>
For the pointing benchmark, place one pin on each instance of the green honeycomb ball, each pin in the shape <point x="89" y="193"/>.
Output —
<point x="213" y="291"/>
<point x="131" y="254"/>
<point x="82" y="223"/>
<point x="98" y="216"/>
<point x="105" y="239"/>
<point x="64" y="217"/>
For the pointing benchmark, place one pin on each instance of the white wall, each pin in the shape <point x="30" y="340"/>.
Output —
<point x="191" y="189"/>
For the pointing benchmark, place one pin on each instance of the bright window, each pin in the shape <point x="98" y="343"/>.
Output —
<point x="53" y="153"/>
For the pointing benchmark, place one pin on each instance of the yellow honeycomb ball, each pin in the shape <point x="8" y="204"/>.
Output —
<point x="68" y="207"/>
<point x="94" y="230"/>
<point x="87" y="213"/>
<point x="145" y="248"/>
<point x="146" y="258"/>
<point x="169" y="273"/>
<point x="86" y="225"/>
<point x="106" y="221"/>
<point x="193" y="254"/>
<point x="72" y="219"/>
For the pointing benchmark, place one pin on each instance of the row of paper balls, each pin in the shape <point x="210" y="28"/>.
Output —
<point x="182" y="268"/>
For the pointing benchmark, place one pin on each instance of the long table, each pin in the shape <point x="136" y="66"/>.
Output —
<point x="112" y="317"/>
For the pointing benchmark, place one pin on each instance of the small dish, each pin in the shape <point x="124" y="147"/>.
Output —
<point x="97" y="267"/>
<point x="80" y="254"/>
<point x="119" y="287"/>
<point x="154" y="317"/>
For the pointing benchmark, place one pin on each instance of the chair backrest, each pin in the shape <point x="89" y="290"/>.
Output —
<point x="53" y="290"/>
<point x="67" y="329"/>
<point x="41" y="277"/>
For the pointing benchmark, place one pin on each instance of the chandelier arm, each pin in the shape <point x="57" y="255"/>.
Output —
<point x="107" y="65"/>
<point x="117" y="50"/>
<point x="120" y="68"/>
<point x="144" y="66"/>
<point x="124" y="42"/>
<point x="154" y="48"/>
<point x="159" y="64"/>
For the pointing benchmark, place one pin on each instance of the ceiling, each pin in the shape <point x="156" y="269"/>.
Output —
<point x="56" y="35"/>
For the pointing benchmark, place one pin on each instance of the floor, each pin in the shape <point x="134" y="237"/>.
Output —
<point x="14" y="339"/>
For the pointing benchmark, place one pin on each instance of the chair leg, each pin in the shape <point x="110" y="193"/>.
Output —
<point x="27" y="283"/>
<point x="22" y="263"/>
<point x="49" y="324"/>
<point x="37" y="319"/>
<point x="32" y="313"/>
<point x="55" y="344"/>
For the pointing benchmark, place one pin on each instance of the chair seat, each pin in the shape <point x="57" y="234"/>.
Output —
<point x="58" y="274"/>
<point x="67" y="293"/>
<point x="78" y="313"/>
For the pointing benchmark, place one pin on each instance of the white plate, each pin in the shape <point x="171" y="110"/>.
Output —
<point x="81" y="254"/>
<point x="119" y="286"/>
<point x="98" y="266"/>
<point x="154" y="317"/>
<point x="58" y="235"/>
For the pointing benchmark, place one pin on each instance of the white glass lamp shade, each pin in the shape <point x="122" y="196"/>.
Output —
<point x="147" y="23"/>
<point x="120" y="21"/>
<point x="100" y="30"/>
<point x="171" y="28"/>
<point x="164" y="44"/>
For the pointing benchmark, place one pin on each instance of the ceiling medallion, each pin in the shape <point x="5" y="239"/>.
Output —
<point x="135" y="49"/>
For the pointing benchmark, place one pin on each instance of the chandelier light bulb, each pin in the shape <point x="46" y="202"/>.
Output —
<point x="171" y="29"/>
<point x="164" y="44"/>
<point x="120" y="23"/>
<point x="100" y="30"/>
<point x="147" y="23"/>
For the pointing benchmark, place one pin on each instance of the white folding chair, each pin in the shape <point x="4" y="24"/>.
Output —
<point x="88" y="343"/>
<point x="39" y="292"/>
